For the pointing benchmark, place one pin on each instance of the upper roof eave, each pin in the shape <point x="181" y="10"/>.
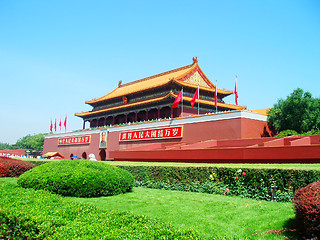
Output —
<point x="186" y="70"/>
<point x="220" y="91"/>
<point x="145" y="83"/>
<point x="207" y="80"/>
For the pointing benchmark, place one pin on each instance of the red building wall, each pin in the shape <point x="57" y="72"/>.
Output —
<point x="51" y="145"/>
<point x="229" y="125"/>
<point x="18" y="152"/>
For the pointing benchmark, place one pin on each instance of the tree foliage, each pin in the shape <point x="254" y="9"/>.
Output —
<point x="299" y="112"/>
<point x="31" y="142"/>
<point x="5" y="146"/>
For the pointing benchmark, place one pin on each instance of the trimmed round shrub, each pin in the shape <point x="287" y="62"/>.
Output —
<point x="307" y="207"/>
<point x="78" y="178"/>
<point x="13" y="167"/>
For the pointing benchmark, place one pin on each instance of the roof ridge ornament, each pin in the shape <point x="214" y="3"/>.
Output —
<point x="195" y="60"/>
<point x="120" y="83"/>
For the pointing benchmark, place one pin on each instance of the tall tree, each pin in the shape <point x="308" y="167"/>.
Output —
<point x="31" y="142"/>
<point x="299" y="112"/>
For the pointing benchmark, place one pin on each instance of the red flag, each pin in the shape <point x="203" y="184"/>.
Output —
<point x="55" y="124"/>
<point x="51" y="125"/>
<point x="178" y="99"/>
<point x="215" y="97"/>
<point x="60" y="124"/>
<point x="65" y="123"/>
<point x="236" y="92"/>
<point x="195" y="96"/>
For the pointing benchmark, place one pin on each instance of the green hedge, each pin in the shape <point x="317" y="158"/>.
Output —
<point x="78" y="178"/>
<point x="256" y="183"/>
<point x="40" y="162"/>
<point x="38" y="214"/>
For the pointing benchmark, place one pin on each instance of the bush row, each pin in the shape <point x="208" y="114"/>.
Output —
<point x="261" y="193"/>
<point x="245" y="182"/>
<point x="38" y="214"/>
<point x="40" y="162"/>
<point x="289" y="132"/>
<point x="307" y="207"/>
<point x="13" y="168"/>
<point x="78" y="178"/>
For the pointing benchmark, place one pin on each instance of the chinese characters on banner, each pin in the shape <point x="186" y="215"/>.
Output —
<point x="74" y="140"/>
<point x="151" y="134"/>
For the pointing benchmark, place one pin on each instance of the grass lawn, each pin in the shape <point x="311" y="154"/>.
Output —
<point x="211" y="215"/>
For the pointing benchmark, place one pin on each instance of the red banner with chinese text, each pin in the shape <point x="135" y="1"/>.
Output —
<point x="151" y="134"/>
<point x="74" y="140"/>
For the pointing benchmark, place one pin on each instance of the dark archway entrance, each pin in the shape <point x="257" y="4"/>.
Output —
<point x="71" y="155"/>
<point x="93" y="123"/>
<point x="165" y="112"/>
<point x="102" y="155"/>
<point x="101" y="122"/>
<point x="153" y="114"/>
<point x="84" y="155"/>
<point x="131" y="117"/>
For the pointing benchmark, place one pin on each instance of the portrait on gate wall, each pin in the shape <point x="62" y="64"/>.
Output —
<point x="103" y="139"/>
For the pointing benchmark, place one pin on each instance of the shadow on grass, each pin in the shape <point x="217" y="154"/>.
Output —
<point x="291" y="231"/>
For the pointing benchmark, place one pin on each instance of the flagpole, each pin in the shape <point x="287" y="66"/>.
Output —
<point x="237" y="87"/>
<point x="236" y="92"/>
<point x="216" y="96"/>
<point x="65" y="123"/>
<point x="198" y="99"/>
<point x="182" y="104"/>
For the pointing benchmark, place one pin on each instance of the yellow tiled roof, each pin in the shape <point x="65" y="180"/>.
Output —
<point x="53" y="154"/>
<point x="159" y="80"/>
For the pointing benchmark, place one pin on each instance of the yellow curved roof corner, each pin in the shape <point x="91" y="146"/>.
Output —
<point x="207" y="102"/>
<point x="262" y="111"/>
<point x="161" y="79"/>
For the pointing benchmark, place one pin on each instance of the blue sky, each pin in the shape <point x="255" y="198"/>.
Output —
<point x="55" y="55"/>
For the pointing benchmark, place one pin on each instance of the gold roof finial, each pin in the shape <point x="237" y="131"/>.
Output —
<point x="195" y="60"/>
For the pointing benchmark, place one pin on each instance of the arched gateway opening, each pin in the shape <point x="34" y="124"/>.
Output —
<point x="84" y="155"/>
<point x="102" y="155"/>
